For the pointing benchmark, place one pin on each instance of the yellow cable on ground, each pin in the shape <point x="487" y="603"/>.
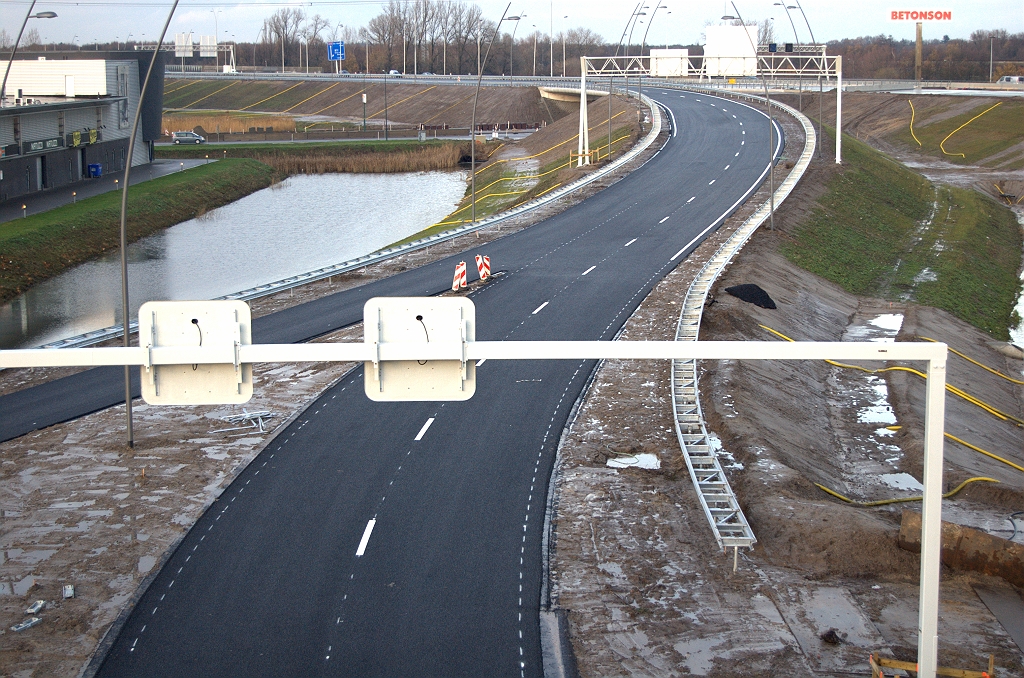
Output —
<point x="900" y="500"/>
<point x="336" y="103"/>
<point x="973" y="447"/>
<point x="949" y="387"/>
<point x="272" y="96"/>
<point x="312" y="97"/>
<point x="563" y="143"/>
<point x="390" y="106"/>
<point x="971" y="360"/>
<point x="211" y="94"/>
<point x="912" y="123"/>
<point x="461" y="101"/>
<point x="942" y="143"/>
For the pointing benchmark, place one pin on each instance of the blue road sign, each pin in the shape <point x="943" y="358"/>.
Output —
<point x="336" y="51"/>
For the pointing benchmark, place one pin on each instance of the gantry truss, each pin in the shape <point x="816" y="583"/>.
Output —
<point x="803" y="62"/>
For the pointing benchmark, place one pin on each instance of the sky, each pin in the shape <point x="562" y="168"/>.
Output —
<point x="679" y="22"/>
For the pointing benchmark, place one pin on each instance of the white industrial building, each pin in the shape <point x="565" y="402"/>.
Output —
<point x="63" y="113"/>
<point x="730" y="51"/>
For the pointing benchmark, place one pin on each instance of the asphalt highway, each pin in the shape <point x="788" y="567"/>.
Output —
<point x="403" y="539"/>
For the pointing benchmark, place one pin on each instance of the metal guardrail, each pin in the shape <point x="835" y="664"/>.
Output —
<point x="98" y="336"/>
<point x="726" y="518"/>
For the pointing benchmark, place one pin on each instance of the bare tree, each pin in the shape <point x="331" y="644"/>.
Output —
<point x="32" y="38"/>
<point x="283" y="26"/>
<point x="6" y="41"/>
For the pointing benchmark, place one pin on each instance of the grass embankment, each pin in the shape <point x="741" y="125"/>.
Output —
<point x="226" y="122"/>
<point x="321" y="157"/>
<point x="972" y="137"/>
<point x="882" y="230"/>
<point x="43" y="245"/>
<point x="500" y="187"/>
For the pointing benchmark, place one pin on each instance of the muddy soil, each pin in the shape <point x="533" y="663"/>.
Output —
<point x="647" y="589"/>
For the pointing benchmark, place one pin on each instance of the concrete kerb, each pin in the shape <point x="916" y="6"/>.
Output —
<point x="97" y="336"/>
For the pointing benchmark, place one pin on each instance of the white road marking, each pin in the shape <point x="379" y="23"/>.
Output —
<point x="675" y="128"/>
<point x="481" y="362"/>
<point x="728" y="166"/>
<point x="592" y="267"/>
<point x="712" y="181"/>
<point x="537" y="310"/>
<point x="630" y="242"/>
<point x="737" y="154"/>
<point x="663" y="220"/>
<point x="419" y="436"/>
<point x="743" y="143"/>
<point x="676" y="255"/>
<point x="366" y="535"/>
<point x="691" y="200"/>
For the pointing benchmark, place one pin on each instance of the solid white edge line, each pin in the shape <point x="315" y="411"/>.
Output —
<point x="630" y="242"/>
<point x="753" y="187"/>
<point x="419" y="436"/>
<point x="538" y="309"/>
<point x="663" y="220"/>
<point x="591" y="268"/>
<point x="675" y="130"/>
<point x="366" y="535"/>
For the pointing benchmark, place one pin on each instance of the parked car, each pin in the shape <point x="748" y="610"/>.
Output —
<point x="426" y="73"/>
<point x="187" y="138"/>
<point x="394" y="72"/>
<point x="344" y="72"/>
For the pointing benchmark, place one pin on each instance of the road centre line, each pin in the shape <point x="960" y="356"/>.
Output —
<point x="538" y="309"/>
<point x="593" y="267"/>
<point x="419" y="436"/>
<point x="663" y="220"/>
<point x="712" y="181"/>
<point x="727" y="166"/>
<point x="366" y="535"/>
<point x="630" y="242"/>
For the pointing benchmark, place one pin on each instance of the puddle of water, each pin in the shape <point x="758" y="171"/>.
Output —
<point x="146" y="564"/>
<point x="1017" y="333"/>
<point x="22" y="587"/>
<point x="902" y="481"/>
<point x="304" y="223"/>
<point x="643" y="460"/>
<point x="882" y="329"/>
<point x="879" y="412"/>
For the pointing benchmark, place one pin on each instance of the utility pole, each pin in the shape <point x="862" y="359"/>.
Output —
<point x="991" y="53"/>
<point x="917" y="55"/>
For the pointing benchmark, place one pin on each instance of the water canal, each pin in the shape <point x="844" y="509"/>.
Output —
<point x="301" y="224"/>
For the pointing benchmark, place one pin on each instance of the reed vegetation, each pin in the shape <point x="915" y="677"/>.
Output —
<point x="225" y="123"/>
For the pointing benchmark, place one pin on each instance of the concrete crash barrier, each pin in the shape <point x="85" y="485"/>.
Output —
<point x="964" y="548"/>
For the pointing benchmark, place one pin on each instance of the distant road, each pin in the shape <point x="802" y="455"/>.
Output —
<point x="405" y="539"/>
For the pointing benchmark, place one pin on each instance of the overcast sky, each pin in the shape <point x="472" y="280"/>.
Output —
<point x="681" y="23"/>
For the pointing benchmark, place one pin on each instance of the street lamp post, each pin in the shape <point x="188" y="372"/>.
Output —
<point x="29" y="15"/>
<point x="771" y="122"/>
<point x="563" y="47"/>
<point x="512" y="46"/>
<point x="385" y="105"/>
<point x="991" y="54"/>
<point x="821" y="90"/>
<point x="535" y="51"/>
<point x="216" y="34"/>
<point x="472" y="125"/>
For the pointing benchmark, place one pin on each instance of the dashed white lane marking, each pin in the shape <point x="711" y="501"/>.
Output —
<point x="737" y="154"/>
<point x="691" y="200"/>
<point x="728" y="166"/>
<point x="481" y="362"/>
<point x="663" y="220"/>
<point x="593" y="267"/>
<point x="419" y="436"/>
<point x="538" y="309"/>
<point x="743" y="143"/>
<point x="712" y="181"/>
<point x="630" y="242"/>
<point x="366" y="535"/>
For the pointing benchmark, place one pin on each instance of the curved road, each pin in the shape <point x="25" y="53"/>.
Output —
<point x="406" y="538"/>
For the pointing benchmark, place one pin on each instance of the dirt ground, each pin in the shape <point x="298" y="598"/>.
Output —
<point x="78" y="507"/>
<point x="647" y="590"/>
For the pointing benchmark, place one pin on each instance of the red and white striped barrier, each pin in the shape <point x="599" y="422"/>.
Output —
<point x="483" y="265"/>
<point x="460" y="276"/>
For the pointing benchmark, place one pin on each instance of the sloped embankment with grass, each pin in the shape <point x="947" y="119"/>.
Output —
<point x="881" y="230"/>
<point x="515" y="173"/>
<point x="43" y="245"/>
<point x="350" y="156"/>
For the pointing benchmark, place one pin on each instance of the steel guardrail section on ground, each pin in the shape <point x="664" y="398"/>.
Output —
<point x="97" y="336"/>
<point x="722" y="509"/>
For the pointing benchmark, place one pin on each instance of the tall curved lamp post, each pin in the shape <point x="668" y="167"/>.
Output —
<point x="14" y="50"/>
<point x="512" y="44"/>
<point x="472" y="127"/>
<point x="820" y="88"/>
<point x="771" y="121"/>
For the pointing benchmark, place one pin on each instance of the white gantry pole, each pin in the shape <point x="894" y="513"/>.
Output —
<point x="584" y="135"/>
<point x="839" y="110"/>
<point x="931" y="519"/>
